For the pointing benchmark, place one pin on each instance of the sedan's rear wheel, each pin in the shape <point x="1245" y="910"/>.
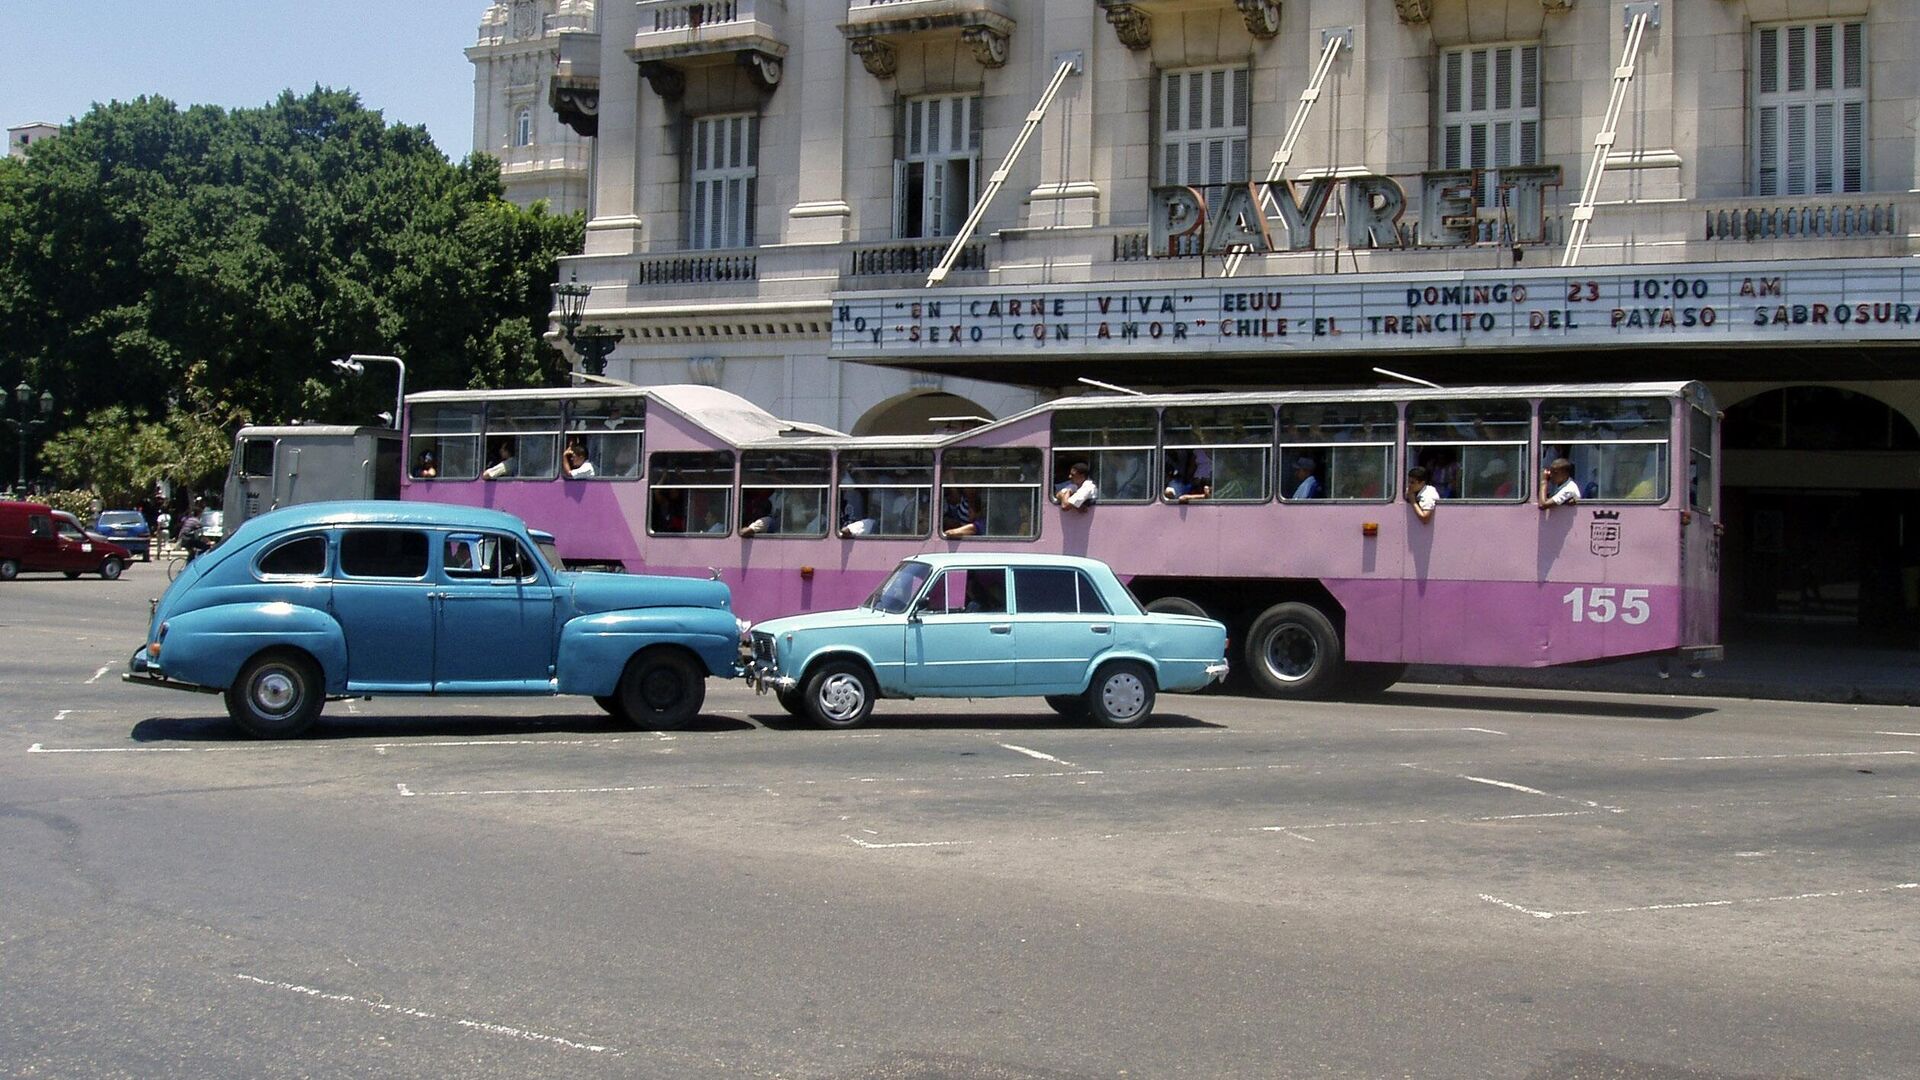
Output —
<point x="1071" y="706"/>
<point x="1121" y="695"/>
<point x="839" y="694"/>
<point x="278" y="695"/>
<point x="662" y="690"/>
<point x="611" y="703"/>
<point x="9" y="569"/>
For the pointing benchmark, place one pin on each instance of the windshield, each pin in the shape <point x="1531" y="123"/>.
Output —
<point x="900" y="588"/>
<point x="122" y="517"/>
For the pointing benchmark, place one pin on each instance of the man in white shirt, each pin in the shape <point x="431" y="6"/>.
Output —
<point x="1306" y="484"/>
<point x="1556" y="485"/>
<point x="1079" y="490"/>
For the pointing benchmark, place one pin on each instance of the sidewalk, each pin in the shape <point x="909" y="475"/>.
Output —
<point x="1780" y="670"/>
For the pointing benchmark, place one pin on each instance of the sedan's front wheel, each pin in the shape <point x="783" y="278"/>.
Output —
<point x="839" y="694"/>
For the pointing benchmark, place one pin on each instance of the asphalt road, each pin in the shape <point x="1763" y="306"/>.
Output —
<point x="1443" y="883"/>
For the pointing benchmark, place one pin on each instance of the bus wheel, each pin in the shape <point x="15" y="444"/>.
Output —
<point x="662" y="690"/>
<point x="1175" y="605"/>
<point x="839" y="694"/>
<point x="1121" y="695"/>
<point x="278" y="695"/>
<point x="1293" y="652"/>
<point x="1366" y="680"/>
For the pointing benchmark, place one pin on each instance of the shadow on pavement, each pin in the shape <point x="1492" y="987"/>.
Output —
<point x="340" y="726"/>
<point x="1632" y="710"/>
<point x="777" y="720"/>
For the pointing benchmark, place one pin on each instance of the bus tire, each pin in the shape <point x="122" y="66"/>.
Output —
<point x="277" y="695"/>
<point x="839" y="695"/>
<point x="661" y="690"/>
<point x="1175" y="605"/>
<point x="1368" y="680"/>
<point x="1293" y="651"/>
<point x="1121" y="694"/>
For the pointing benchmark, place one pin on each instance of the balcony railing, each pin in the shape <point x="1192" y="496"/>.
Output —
<point x="1803" y="222"/>
<point x="912" y="256"/>
<point x="696" y="268"/>
<point x="685" y="16"/>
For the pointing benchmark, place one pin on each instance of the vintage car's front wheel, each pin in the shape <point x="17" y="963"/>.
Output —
<point x="1121" y="695"/>
<point x="839" y="694"/>
<point x="278" y="695"/>
<point x="662" y="690"/>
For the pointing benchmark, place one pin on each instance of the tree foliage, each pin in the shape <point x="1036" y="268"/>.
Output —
<point x="203" y="265"/>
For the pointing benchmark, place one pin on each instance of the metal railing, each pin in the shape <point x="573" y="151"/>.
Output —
<point x="912" y="257"/>
<point x="696" y="269"/>
<point x="1803" y="222"/>
<point x="691" y="16"/>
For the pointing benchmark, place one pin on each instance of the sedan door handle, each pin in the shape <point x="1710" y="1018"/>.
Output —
<point x="1001" y="628"/>
<point x="1101" y="628"/>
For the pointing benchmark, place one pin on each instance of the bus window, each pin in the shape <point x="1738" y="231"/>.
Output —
<point x="1350" y="444"/>
<point x="256" y="457"/>
<point x="444" y="442"/>
<point x="886" y="492"/>
<point x="1475" y="450"/>
<point x="784" y="492"/>
<point x="1618" y="446"/>
<point x="531" y="431"/>
<point x="611" y="430"/>
<point x="1116" y="444"/>
<point x="999" y="486"/>
<point x="1699" y="459"/>
<point x="692" y="493"/>
<point x="1220" y="453"/>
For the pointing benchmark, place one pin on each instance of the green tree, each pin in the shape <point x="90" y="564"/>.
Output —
<point x="153" y="256"/>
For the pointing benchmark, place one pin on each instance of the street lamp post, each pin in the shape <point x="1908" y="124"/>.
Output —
<point x="593" y="343"/>
<point x="27" y="424"/>
<point x="357" y="363"/>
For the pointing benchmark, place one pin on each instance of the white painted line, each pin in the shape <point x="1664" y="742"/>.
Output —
<point x="1076" y="775"/>
<point x="36" y="748"/>
<point x="1421" y="821"/>
<point x="1035" y="754"/>
<point x="1511" y="786"/>
<point x="924" y="843"/>
<point x="405" y="792"/>
<point x="1481" y="730"/>
<point x="62" y="715"/>
<point x="1908" y="734"/>
<point x="475" y="1025"/>
<point x="104" y="668"/>
<point x="1904" y="886"/>
<point x="1773" y="757"/>
<point x="318" y="747"/>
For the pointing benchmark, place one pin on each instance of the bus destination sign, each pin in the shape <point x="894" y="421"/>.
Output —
<point x="1710" y="304"/>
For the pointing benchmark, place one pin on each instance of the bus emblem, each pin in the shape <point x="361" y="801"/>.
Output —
<point x="1606" y="534"/>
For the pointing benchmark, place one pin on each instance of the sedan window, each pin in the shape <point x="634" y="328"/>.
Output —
<point x="486" y="556"/>
<point x="304" y="556"/>
<point x="978" y="590"/>
<point x="383" y="553"/>
<point x="1054" y="591"/>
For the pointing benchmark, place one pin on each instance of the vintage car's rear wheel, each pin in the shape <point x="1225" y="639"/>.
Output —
<point x="278" y="695"/>
<point x="662" y="690"/>
<point x="839" y="694"/>
<point x="111" y="569"/>
<point x="611" y="703"/>
<point x="1071" y="706"/>
<point x="9" y="569"/>
<point x="1293" y="651"/>
<point x="1121" y="695"/>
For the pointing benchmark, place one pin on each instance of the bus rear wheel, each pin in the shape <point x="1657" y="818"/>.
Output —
<point x="1368" y="680"/>
<point x="1293" y="651"/>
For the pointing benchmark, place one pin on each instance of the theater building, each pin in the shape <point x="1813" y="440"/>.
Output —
<point x="1254" y="193"/>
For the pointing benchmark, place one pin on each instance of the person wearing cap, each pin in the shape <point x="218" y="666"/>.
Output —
<point x="1078" y="491"/>
<point x="428" y="468"/>
<point x="1556" y="485"/>
<point x="1306" y="485"/>
<point x="1496" y="479"/>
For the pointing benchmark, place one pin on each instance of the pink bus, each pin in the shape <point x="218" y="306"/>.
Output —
<point x="1282" y="514"/>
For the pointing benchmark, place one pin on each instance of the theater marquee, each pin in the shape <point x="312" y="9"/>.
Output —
<point x="1702" y="304"/>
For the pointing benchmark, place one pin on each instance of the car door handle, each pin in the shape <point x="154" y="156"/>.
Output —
<point x="1001" y="628"/>
<point x="1101" y="628"/>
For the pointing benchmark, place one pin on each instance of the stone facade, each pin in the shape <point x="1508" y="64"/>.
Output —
<point x="25" y="135"/>
<point x="515" y="61"/>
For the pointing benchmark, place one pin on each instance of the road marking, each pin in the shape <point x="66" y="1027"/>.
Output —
<point x="923" y="843"/>
<point x="1075" y="775"/>
<point x="1481" y="730"/>
<point x="475" y="1025"/>
<point x="1036" y="754"/>
<point x="1511" y="786"/>
<point x="1904" y="886"/>
<point x="379" y="749"/>
<point x="1908" y="734"/>
<point x="1771" y="757"/>
<point x="104" y="668"/>
<point x="62" y="715"/>
<point x="36" y="748"/>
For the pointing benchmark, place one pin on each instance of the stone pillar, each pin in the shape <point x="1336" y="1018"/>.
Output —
<point x="1060" y="156"/>
<point x="614" y="228"/>
<point x="820" y="214"/>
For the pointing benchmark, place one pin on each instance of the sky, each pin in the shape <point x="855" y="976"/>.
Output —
<point x="403" y="57"/>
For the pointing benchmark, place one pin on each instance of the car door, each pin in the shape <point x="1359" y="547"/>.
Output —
<point x="72" y="549"/>
<point x="1063" y="626"/>
<point x="960" y="639"/>
<point x="494" y="629"/>
<point x="383" y="600"/>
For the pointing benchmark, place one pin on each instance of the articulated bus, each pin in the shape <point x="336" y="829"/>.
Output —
<point x="1282" y="514"/>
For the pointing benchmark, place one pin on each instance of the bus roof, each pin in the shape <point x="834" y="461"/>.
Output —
<point x="725" y="414"/>
<point x="281" y="431"/>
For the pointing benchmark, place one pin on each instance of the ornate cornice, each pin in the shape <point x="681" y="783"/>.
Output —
<point x="576" y="102"/>
<point x="1414" y="11"/>
<point x="1131" y="24"/>
<point x="1262" y="16"/>
<point x="667" y="81"/>
<point x="876" y="56"/>
<point x="989" y="45"/>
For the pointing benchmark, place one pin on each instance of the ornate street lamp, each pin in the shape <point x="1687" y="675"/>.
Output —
<point x="26" y="424"/>
<point x="593" y="343"/>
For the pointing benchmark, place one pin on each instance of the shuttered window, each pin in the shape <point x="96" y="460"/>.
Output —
<point x="721" y="179"/>
<point x="937" y="170"/>
<point x="1489" y="112"/>
<point x="1203" y="128"/>
<point x="1809" y="108"/>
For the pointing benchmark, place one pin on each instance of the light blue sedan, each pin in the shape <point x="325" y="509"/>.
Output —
<point x="988" y="625"/>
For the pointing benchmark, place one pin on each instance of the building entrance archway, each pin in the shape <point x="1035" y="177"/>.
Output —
<point x="913" y="413"/>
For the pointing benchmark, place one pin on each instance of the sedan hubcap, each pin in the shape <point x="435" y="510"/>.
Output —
<point x="1123" y="695"/>
<point x="842" y="697"/>
<point x="275" y="691"/>
<point x="1291" y="653"/>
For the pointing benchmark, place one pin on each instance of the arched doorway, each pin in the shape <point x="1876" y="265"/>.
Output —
<point x="913" y="414"/>
<point x="1822" y="488"/>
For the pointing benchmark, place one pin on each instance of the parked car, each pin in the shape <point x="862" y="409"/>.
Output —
<point x="988" y="625"/>
<point x="128" y="528"/>
<point x="365" y="598"/>
<point x="36" y="537"/>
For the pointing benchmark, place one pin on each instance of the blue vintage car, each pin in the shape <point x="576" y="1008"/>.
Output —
<point x="988" y="625"/>
<point x="363" y="598"/>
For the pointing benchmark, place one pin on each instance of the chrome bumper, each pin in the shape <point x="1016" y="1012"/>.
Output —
<point x="762" y="677"/>
<point x="1217" y="672"/>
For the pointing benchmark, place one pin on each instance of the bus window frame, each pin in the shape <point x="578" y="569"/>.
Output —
<point x="1265" y="473"/>
<point x="1323" y="458"/>
<point x="569" y="429"/>
<point x="1563" y="447"/>
<point x="492" y="437"/>
<point x="1701" y="427"/>
<point x="930" y="488"/>
<point x="829" y="506"/>
<point x="417" y="440"/>
<point x="1062" y="455"/>
<point x="1523" y="483"/>
<point x="1035" y="490"/>
<point x="655" y="470"/>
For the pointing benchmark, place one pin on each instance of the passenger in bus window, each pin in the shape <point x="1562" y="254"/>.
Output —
<point x="427" y="468"/>
<point x="1421" y="493"/>
<point x="1496" y="479"/>
<point x="1079" y="491"/>
<point x="668" y="514"/>
<point x="1306" y="485"/>
<point x="1189" y="475"/>
<point x="956" y="515"/>
<point x="503" y="461"/>
<point x="574" y="463"/>
<point x="854" y="519"/>
<point x="1556" y="485"/>
<point x="1646" y="489"/>
<point x="762" y="512"/>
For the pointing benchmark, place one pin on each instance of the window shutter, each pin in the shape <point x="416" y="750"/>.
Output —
<point x="1796" y="59"/>
<point x="1529" y="142"/>
<point x="1477" y="80"/>
<point x="1823" y="148"/>
<point x="1503" y="78"/>
<point x="1769" y="62"/>
<point x="1242" y="95"/>
<point x="1796" y="149"/>
<point x="1853" y="46"/>
<point x="1769" y="147"/>
<point x="1450" y="153"/>
<point x="1452" y="94"/>
<point x="1853" y="146"/>
<point x="1823" y="57"/>
<point x="1530" y="77"/>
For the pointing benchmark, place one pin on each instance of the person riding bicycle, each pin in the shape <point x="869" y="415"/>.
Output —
<point x="193" y="536"/>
